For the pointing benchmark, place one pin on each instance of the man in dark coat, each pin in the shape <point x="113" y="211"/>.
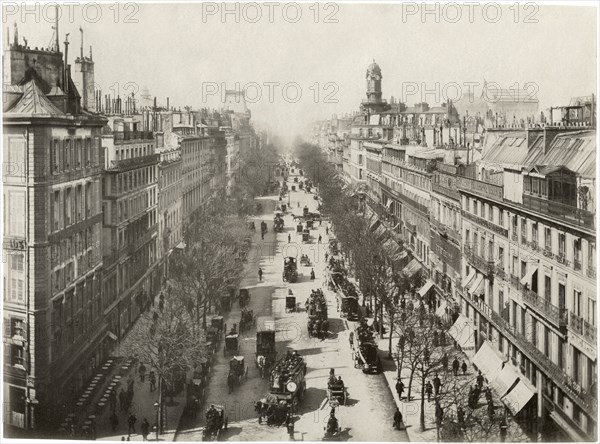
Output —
<point x="400" y="388"/>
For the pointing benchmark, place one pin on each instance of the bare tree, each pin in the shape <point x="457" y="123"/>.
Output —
<point x="166" y="342"/>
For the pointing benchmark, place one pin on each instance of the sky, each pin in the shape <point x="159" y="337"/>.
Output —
<point x="300" y="62"/>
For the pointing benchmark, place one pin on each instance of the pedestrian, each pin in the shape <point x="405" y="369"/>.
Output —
<point x="327" y="231"/>
<point x="326" y="256"/>
<point x="455" y="365"/>
<point x="312" y="274"/>
<point x="145" y="429"/>
<point x="439" y="414"/>
<point x="152" y="381"/>
<point x="398" y="422"/>
<point x="289" y="422"/>
<point x="399" y="388"/>
<point x="155" y="316"/>
<point x="114" y="421"/>
<point x="437" y="383"/>
<point x="503" y="430"/>
<point x="260" y="274"/>
<point x="131" y="423"/>
<point x="289" y="238"/>
<point x="122" y="438"/>
<point x="480" y="380"/>
<point x="161" y="305"/>
<point x="262" y="235"/>
<point x="142" y="370"/>
<point x="112" y="400"/>
<point x="464" y="368"/>
<point x="428" y="390"/>
<point x="122" y="400"/>
<point x="319" y="241"/>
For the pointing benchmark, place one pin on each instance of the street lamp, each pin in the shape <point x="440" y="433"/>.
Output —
<point x="157" y="405"/>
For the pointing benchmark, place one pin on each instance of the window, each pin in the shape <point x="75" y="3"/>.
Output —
<point x="501" y="257"/>
<point x="576" y="369"/>
<point x="591" y="312"/>
<point x="546" y="341"/>
<point x="577" y="302"/>
<point x="534" y="232"/>
<point x="561" y="244"/>
<point x="548" y="239"/>
<point x="548" y="288"/>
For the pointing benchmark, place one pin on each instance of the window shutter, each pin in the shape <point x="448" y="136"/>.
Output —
<point x="7" y="328"/>
<point x="61" y="210"/>
<point x="7" y="354"/>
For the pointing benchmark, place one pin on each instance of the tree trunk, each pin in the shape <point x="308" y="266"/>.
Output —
<point x="159" y="424"/>
<point x="381" y="322"/>
<point x="391" y="333"/>
<point x="410" y="380"/>
<point x="422" y="416"/>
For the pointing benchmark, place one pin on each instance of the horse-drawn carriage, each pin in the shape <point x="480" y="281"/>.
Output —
<point x="215" y="422"/>
<point x="225" y="300"/>
<point x="266" y="355"/>
<point x="336" y="392"/>
<point x="309" y="223"/>
<point x="290" y="270"/>
<point x="306" y="235"/>
<point x="244" y="297"/>
<point x="305" y="260"/>
<point x="365" y="351"/>
<point x="286" y="382"/>
<point x="299" y="228"/>
<point x="232" y="344"/>
<point x="290" y="303"/>
<point x="350" y="308"/>
<point x="238" y="371"/>
<point x="247" y="319"/>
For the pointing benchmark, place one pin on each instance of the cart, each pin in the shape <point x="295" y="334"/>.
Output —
<point x="305" y="260"/>
<point x="238" y="368"/>
<point x="299" y="228"/>
<point x="305" y="236"/>
<point x="244" y="297"/>
<point x="247" y="319"/>
<point x="265" y="351"/>
<point x="215" y="422"/>
<point x="232" y="344"/>
<point x="225" y="301"/>
<point x="336" y="393"/>
<point x="290" y="303"/>
<point x="217" y="322"/>
<point x="309" y="224"/>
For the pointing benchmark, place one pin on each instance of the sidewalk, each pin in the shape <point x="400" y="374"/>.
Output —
<point x="142" y="406"/>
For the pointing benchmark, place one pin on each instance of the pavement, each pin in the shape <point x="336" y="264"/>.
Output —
<point x="368" y="394"/>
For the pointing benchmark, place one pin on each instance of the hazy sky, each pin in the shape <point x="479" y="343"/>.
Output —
<point x="321" y="51"/>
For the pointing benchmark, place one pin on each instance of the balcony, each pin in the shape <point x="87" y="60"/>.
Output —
<point x="483" y="265"/>
<point x="558" y="316"/>
<point x="452" y="193"/>
<point x="515" y="282"/>
<point x="134" y="162"/>
<point x="486" y="223"/>
<point x="533" y="245"/>
<point x="591" y="272"/>
<point x="562" y="259"/>
<point x="514" y="237"/>
<point x="366" y="137"/>
<point x="567" y="213"/>
<point x="480" y="188"/>
<point x="132" y="247"/>
<point x="131" y="136"/>
<point x="577" y="265"/>
<point x="586" y="400"/>
<point x="582" y="327"/>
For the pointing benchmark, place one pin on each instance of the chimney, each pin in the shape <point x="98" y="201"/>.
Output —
<point x="66" y="79"/>
<point x="81" y="46"/>
<point x="167" y="104"/>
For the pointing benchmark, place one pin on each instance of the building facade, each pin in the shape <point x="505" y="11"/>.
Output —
<point x="53" y="320"/>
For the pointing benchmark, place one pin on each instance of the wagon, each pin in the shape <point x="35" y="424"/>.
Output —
<point x="336" y="393"/>
<point x="305" y="236"/>
<point x="215" y="422"/>
<point x="238" y="367"/>
<point x="244" y="297"/>
<point x="232" y="344"/>
<point x="290" y="303"/>
<point x="217" y="322"/>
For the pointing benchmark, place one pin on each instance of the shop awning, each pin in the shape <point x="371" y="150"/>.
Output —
<point x="425" y="288"/>
<point x="181" y="245"/>
<point x="389" y="204"/>
<point x="463" y="333"/>
<point x="506" y="378"/>
<point x="526" y="280"/>
<point x="412" y="267"/>
<point x="518" y="397"/>
<point x="469" y="278"/>
<point x="441" y="310"/>
<point x="376" y="223"/>
<point x="488" y="360"/>
<point x="476" y="287"/>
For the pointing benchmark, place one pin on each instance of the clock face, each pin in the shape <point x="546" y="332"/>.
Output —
<point x="291" y="386"/>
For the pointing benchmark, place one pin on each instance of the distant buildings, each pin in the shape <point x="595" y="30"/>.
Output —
<point x="496" y="209"/>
